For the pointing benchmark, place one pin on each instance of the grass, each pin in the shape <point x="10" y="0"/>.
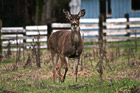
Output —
<point x="121" y="79"/>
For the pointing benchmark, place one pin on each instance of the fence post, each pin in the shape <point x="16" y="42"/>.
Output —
<point x="127" y="18"/>
<point x="49" y="31"/>
<point x="100" y="40"/>
<point x="136" y="42"/>
<point x="24" y="34"/>
<point x="127" y="26"/>
<point x="0" y="40"/>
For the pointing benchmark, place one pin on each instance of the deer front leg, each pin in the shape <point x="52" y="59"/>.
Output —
<point x="54" y="62"/>
<point x="76" y="68"/>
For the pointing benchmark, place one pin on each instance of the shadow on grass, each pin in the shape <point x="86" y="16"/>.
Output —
<point x="69" y="87"/>
<point x="6" y="91"/>
<point x="76" y="87"/>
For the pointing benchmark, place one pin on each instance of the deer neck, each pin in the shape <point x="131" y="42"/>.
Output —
<point x="75" y="35"/>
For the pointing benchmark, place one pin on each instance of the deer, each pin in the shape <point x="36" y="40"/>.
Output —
<point x="66" y="44"/>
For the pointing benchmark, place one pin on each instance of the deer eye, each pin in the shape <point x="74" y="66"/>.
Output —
<point x="78" y="18"/>
<point x="70" y="18"/>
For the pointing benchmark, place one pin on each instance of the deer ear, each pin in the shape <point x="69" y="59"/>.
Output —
<point x="68" y="15"/>
<point x="82" y="13"/>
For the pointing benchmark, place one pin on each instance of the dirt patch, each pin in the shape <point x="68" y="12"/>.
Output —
<point x="6" y="91"/>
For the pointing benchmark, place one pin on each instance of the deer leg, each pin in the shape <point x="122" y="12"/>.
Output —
<point x="54" y="62"/>
<point x="76" y="68"/>
<point x="66" y="68"/>
<point x="58" y="68"/>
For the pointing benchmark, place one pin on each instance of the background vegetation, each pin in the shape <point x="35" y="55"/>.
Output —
<point x="32" y="12"/>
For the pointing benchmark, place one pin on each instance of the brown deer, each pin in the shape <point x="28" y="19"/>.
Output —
<point x="66" y="44"/>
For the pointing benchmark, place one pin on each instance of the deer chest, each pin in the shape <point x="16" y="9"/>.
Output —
<point x="73" y="51"/>
<point x="76" y="38"/>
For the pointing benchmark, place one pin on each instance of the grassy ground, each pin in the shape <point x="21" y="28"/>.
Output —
<point x="125" y="74"/>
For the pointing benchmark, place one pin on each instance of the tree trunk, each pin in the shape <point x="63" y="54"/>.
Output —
<point x="26" y="14"/>
<point x="37" y="11"/>
<point x="0" y="40"/>
<point x="47" y="12"/>
<point x="103" y="8"/>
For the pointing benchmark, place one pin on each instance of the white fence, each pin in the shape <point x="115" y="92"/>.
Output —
<point x="115" y="31"/>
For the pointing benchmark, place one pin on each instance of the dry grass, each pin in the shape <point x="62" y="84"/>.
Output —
<point x="33" y="78"/>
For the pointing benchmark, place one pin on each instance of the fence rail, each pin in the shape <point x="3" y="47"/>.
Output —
<point x="115" y="30"/>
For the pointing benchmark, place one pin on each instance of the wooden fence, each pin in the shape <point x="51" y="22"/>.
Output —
<point x="12" y="36"/>
<point x="35" y="34"/>
<point x="120" y="30"/>
<point x="113" y="30"/>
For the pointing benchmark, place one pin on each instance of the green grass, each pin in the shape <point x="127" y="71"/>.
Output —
<point x="92" y="84"/>
<point x="39" y="80"/>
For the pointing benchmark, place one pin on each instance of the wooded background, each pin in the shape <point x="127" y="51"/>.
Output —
<point x="32" y="12"/>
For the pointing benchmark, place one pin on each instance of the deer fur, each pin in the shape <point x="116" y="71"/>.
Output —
<point x="66" y="44"/>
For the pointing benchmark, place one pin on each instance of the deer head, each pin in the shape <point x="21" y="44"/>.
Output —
<point x="74" y="19"/>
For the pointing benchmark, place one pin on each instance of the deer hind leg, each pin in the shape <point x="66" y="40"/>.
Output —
<point x="58" y="69"/>
<point x="76" y="68"/>
<point x="66" y="68"/>
<point x="54" y="62"/>
<point x="62" y="61"/>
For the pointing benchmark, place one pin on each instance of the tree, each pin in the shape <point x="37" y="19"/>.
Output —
<point x="31" y="12"/>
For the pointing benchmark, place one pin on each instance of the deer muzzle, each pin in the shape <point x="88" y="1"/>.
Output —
<point x="75" y="28"/>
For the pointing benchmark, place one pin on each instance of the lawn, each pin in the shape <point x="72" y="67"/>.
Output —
<point x="123" y="77"/>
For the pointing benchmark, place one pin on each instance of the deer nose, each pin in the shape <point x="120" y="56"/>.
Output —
<point x="74" y="24"/>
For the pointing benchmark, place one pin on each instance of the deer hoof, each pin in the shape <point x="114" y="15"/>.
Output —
<point x="62" y="80"/>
